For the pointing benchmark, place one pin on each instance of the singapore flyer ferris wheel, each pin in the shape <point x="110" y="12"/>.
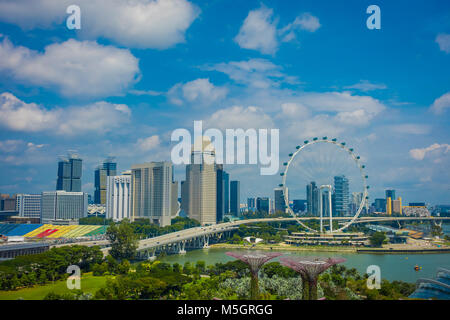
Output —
<point x="325" y="161"/>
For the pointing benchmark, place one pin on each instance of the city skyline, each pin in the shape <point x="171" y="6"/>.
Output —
<point x="325" y="74"/>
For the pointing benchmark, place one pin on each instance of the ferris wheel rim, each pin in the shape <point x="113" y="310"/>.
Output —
<point x="355" y="158"/>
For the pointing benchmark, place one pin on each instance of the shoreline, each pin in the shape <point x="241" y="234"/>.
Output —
<point x="283" y="248"/>
<point x="413" y="250"/>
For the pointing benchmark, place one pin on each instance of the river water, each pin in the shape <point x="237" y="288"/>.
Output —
<point x="392" y="266"/>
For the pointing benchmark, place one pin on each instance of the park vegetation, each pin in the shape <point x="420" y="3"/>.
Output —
<point x="49" y="266"/>
<point x="160" y="280"/>
<point x="231" y="281"/>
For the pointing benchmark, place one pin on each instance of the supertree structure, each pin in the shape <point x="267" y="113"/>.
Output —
<point x="309" y="269"/>
<point x="255" y="261"/>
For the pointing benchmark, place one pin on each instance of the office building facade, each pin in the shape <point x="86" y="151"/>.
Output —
<point x="341" y="196"/>
<point x="69" y="173"/>
<point x="263" y="204"/>
<point x="201" y="177"/>
<point x="220" y="199"/>
<point x="174" y="205"/>
<point x="101" y="174"/>
<point x="184" y="196"/>
<point x="380" y="205"/>
<point x="280" y="204"/>
<point x="8" y="203"/>
<point x="251" y="204"/>
<point x="299" y="205"/>
<point x="118" y="197"/>
<point x="29" y="205"/>
<point x="226" y="192"/>
<point x="151" y="185"/>
<point x="390" y="193"/>
<point x="312" y="198"/>
<point x="62" y="205"/>
<point x="235" y="191"/>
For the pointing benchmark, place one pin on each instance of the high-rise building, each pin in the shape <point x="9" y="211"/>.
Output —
<point x="174" y="206"/>
<point x="263" y="204"/>
<point x="280" y="204"/>
<point x="299" y="206"/>
<point x="235" y="191"/>
<point x="29" y="205"/>
<point x="220" y="202"/>
<point x="201" y="177"/>
<point x="251" y="204"/>
<point x="105" y="170"/>
<point x="118" y="196"/>
<point x="357" y="198"/>
<point x="380" y="205"/>
<point x="312" y="196"/>
<point x="271" y="206"/>
<point x="8" y="203"/>
<point x="389" y="205"/>
<point x="226" y="192"/>
<point x="341" y="196"/>
<point x="184" y="196"/>
<point x="397" y="205"/>
<point x="69" y="173"/>
<point x="151" y="185"/>
<point x="390" y="194"/>
<point x="62" y="205"/>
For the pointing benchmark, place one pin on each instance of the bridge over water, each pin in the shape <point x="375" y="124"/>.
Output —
<point x="201" y="237"/>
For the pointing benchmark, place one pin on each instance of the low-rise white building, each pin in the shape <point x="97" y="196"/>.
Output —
<point x="118" y="197"/>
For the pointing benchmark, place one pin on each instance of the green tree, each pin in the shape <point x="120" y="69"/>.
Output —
<point x="187" y="268"/>
<point x="200" y="266"/>
<point x="124" y="241"/>
<point x="377" y="239"/>
<point x="124" y="267"/>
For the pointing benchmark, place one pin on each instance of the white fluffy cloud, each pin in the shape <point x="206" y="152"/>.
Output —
<point x="307" y="22"/>
<point x="139" y="23"/>
<point x="259" y="30"/>
<point x="200" y="92"/>
<point x="256" y="73"/>
<point x="350" y="109"/>
<point x="149" y="143"/>
<point x="294" y="111"/>
<point x="444" y="42"/>
<point x="436" y="149"/>
<point x="73" y="67"/>
<point x="442" y="103"/>
<point x="98" y="117"/>
<point x="17" y="115"/>
<point x="18" y="152"/>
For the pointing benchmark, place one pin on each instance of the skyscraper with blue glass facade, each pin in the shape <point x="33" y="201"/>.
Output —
<point x="69" y="173"/>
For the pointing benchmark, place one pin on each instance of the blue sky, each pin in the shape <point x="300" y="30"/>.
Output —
<point x="134" y="73"/>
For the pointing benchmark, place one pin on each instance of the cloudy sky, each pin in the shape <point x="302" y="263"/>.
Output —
<point x="137" y="70"/>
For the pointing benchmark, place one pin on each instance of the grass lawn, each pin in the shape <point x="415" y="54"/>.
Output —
<point x="89" y="283"/>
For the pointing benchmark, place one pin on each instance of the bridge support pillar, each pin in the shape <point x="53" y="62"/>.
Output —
<point x="182" y="247"/>
<point x="205" y="242"/>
